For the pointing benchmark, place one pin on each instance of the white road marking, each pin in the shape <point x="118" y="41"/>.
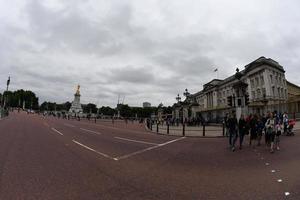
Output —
<point x="273" y="171"/>
<point x="279" y="180"/>
<point x="287" y="193"/>
<point x="148" y="149"/>
<point x="69" y="125"/>
<point x="93" y="150"/>
<point x="90" y="131"/>
<point x="267" y="164"/>
<point x="53" y="129"/>
<point x="138" y="141"/>
<point x="116" y="128"/>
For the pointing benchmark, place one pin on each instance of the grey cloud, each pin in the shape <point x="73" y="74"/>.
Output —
<point x="143" y="53"/>
<point x="133" y="75"/>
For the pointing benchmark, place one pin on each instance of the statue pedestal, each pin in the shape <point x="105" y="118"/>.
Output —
<point x="76" y="106"/>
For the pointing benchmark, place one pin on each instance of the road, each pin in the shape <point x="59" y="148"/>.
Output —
<point x="49" y="158"/>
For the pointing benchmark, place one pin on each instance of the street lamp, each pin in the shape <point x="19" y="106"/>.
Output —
<point x="186" y="93"/>
<point x="7" y="84"/>
<point x="178" y="98"/>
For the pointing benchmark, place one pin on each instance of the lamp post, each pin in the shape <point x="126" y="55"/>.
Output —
<point x="186" y="93"/>
<point x="178" y="98"/>
<point x="4" y="99"/>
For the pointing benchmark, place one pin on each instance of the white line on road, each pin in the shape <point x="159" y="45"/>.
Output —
<point x="90" y="131"/>
<point x="286" y="193"/>
<point x="53" y="129"/>
<point x="148" y="149"/>
<point x="69" y="125"/>
<point x="138" y="141"/>
<point x="93" y="150"/>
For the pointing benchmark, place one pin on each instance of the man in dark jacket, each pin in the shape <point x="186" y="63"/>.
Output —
<point x="232" y="127"/>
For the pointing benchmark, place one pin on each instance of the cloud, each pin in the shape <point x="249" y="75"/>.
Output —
<point x="142" y="50"/>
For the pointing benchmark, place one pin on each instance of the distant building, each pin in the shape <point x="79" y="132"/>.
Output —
<point x="260" y="87"/>
<point x="146" y="105"/>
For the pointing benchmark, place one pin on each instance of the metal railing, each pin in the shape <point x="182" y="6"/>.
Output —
<point x="198" y="131"/>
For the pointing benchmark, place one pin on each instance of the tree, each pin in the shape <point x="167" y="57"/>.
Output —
<point x="90" y="107"/>
<point x="106" y="110"/>
<point x="16" y="99"/>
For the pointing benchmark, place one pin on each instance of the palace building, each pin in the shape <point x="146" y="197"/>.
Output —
<point x="260" y="87"/>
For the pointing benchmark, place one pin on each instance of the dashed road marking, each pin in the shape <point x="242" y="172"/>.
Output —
<point x="93" y="150"/>
<point x="148" y="149"/>
<point x="267" y="164"/>
<point x="287" y="193"/>
<point x="273" y="171"/>
<point x="57" y="131"/>
<point x="90" y="131"/>
<point x="279" y="180"/>
<point x="137" y="141"/>
<point x="69" y="125"/>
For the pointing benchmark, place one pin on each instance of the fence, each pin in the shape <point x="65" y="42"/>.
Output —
<point x="3" y="112"/>
<point x="204" y="130"/>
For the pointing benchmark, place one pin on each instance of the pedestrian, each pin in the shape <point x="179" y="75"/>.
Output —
<point x="264" y="121"/>
<point x="226" y="125"/>
<point x="285" y="122"/>
<point x="270" y="131"/>
<point x="242" y="130"/>
<point x="277" y="135"/>
<point x="260" y="129"/>
<point x="232" y="125"/>
<point x="253" y="129"/>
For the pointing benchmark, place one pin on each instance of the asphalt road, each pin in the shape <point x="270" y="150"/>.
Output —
<point x="49" y="158"/>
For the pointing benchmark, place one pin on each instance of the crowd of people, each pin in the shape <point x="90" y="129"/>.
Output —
<point x="271" y="126"/>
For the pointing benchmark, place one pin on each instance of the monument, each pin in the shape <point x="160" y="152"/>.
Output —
<point x="76" y="106"/>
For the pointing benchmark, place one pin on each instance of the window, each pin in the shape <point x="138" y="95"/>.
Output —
<point x="264" y="92"/>
<point x="253" y="95"/>
<point x="271" y="79"/>
<point x="258" y="93"/>
<point x="262" y="81"/>
<point x="285" y="93"/>
<point x="252" y="83"/>
<point x="256" y="81"/>
<point x="273" y="91"/>
<point x="278" y="92"/>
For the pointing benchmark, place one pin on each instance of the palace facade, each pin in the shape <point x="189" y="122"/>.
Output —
<point x="260" y="87"/>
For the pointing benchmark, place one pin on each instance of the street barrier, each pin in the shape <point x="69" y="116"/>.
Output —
<point x="194" y="131"/>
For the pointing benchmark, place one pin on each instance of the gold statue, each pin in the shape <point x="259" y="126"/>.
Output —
<point x="78" y="88"/>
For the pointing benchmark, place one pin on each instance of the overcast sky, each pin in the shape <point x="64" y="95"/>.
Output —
<point x="142" y="50"/>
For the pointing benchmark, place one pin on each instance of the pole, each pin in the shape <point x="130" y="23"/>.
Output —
<point x="183" y="129"/>
<point x="168" y="129"/>
<point x="203" y="130"/>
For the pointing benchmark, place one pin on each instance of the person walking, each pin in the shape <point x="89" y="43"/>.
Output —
<point x="242" y="130"/>
<point x="278" y="128"/>
<point x="260" y="128"/>
<point x="232" y="127"/>
<point x="285" y="122"/>
<point x="253" y="129"/>
<point x="270" y="131"/>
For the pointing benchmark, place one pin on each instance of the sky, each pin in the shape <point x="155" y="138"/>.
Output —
<point x="147" y="50"/>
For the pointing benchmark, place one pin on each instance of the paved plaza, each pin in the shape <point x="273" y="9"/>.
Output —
<point x="50" y="158"/>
